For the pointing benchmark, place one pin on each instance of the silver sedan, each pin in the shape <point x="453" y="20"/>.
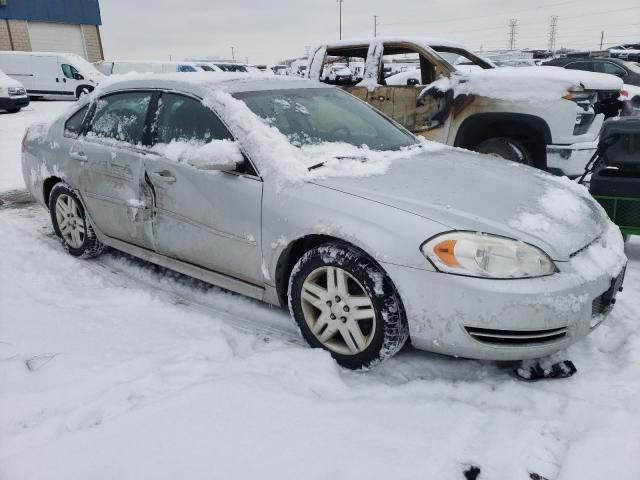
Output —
<point x="301" y="195"/>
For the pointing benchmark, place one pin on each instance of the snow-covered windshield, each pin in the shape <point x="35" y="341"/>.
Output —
<point x="321" y="115"/>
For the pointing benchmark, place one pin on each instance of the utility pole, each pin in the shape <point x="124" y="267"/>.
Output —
<point x="233" y="54"/>
<point x="340" y="2"/>
<point x="513" y="25"/>
<point x="553" y="34"/>
<point x="375" y="25"/>
<point x="601" y="39"/>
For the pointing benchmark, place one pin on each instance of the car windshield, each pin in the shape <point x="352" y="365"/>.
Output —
<point x="634" y="67"/>
<point x="319" y="115"/>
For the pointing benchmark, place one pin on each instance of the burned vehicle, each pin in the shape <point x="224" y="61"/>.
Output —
<point x="540" y="116"/>
<point x="301" y="195"/>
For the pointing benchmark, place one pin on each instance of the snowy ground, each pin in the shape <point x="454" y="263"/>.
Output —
<point x="115" y="369"/>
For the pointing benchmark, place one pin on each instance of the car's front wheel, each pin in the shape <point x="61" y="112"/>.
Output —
<point x="70" y="223"/>
<point x="345" y="303"/>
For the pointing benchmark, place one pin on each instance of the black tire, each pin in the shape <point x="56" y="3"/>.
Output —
<point x="387" y="334"/>
<point x="14" y="110"/>
<point x="91" y="246"/>
<point x="506" y="148"/>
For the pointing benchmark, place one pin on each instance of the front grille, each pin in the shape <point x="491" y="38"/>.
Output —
<point x="516" y="337"/>
<point x="600" y="305"/>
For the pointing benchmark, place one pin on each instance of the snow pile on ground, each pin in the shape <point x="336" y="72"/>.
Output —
<point x="116" y="369"/>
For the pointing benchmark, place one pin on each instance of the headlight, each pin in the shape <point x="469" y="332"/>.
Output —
<point x="489" y="256"/>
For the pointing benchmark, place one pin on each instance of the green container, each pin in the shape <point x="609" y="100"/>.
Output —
<point x="623" y="211"/>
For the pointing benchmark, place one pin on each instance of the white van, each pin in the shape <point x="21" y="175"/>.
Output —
<point x="51" y="75"/>
<point x="13" y="95"/>
<point x="126" y="66"/>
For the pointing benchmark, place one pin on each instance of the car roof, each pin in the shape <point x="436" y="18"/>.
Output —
<point x="430" y="42"/>
<point x="203" y="82"/>
<point x="584" y="59"/>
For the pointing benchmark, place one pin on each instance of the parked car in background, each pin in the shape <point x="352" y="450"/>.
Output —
<point x="52" y="76"/>
<point x="337" y="73"/>
<point x="13" y="95"/>
<point x="303" y="196"/>
<point x="231" y="67"/>
<point x="280" y="69"/>
<point x="545" y="117"/>
<point x="630" y="52"/>
<point x="119" y="67"/>
<point x="207" y="66"/>
<point x="628" y="72"/>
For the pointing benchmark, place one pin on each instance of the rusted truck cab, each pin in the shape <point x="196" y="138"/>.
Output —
<point x="421" y="84"/>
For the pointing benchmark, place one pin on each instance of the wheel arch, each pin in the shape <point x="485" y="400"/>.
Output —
<point x="296" y="249"/>
<point x="531" y="130"/>
<point x="47" y="186"/>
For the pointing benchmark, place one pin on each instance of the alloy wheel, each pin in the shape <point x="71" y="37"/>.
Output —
<point x="70" y="221"/>
<point x="338" y="310"/>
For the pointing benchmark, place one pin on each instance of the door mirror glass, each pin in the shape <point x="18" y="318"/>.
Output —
<point x="77" y="76"/>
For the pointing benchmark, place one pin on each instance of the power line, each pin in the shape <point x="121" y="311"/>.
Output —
<point x="553" y="32"/>
<point x="513" y="25"/>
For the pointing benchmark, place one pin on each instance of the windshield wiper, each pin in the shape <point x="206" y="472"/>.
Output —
<point x="317" y="165"/>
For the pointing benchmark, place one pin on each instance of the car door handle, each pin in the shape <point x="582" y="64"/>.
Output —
<point x="163" y="176"/>
<point x="79" y="156"/>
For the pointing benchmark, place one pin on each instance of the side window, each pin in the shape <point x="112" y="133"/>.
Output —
<point x="403" y="66"/>
<point x="121" y="116"/>
<point x="182" y="118"/>
<point x="74" y="124"/>
<point x="70" y="72"/>
<point x="343" y="67"/>
<point x="186" y="68"/>
<point x="611" y="68"/>
<point x="586" y="66"/>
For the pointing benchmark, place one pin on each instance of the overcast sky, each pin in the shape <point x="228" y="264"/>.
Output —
<point x="268" y="31"/>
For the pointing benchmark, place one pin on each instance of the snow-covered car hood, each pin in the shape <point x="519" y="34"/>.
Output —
<point x="468" y="191"/>
<point x="588" y="80"/>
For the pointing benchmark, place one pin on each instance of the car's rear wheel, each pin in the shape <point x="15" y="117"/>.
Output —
<point x="344" y="302"/>
<point x="506" y="148"/>
<point x="14" y="110"/>
<point x="70" y="223"/>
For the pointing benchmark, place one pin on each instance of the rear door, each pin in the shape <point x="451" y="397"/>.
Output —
<point x="112" y="153"/>
<point x="209" y="218"/>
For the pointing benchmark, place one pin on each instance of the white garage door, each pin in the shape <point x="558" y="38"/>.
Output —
<point x="56" y="37"/>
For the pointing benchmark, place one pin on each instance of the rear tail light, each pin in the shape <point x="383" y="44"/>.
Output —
<point x="624" y="94"/>
<point x="24" y="140"/>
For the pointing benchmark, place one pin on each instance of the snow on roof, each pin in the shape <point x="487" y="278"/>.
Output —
<point x="205" y="81"/>
<point x="424" y="41"/>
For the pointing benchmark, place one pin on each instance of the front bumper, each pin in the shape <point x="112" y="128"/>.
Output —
<point x="570" y="160"/>
<point x="503" y="319"/>
<point x="9" y="103"/>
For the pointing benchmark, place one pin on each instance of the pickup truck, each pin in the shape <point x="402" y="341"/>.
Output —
<point x="546" y="117"/>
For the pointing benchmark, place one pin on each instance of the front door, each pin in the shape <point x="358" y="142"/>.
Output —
<point x="112" y="181"/>
<point x="208" y="218"/>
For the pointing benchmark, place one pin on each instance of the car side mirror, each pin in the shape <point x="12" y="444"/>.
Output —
<point x="412" y="82"/>
<point x="77" y="76"/>
<point x="215" y="156"/>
